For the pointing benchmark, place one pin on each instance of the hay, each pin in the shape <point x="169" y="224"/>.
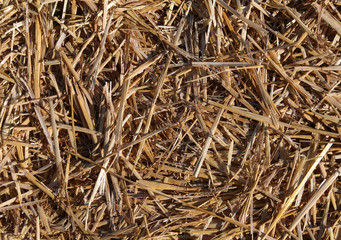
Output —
<point x="170" y="119"/>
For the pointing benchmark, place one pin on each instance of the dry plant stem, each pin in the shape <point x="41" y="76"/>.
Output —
<point x="117" y="140"/>
<point x="67" y="209"/>
<point x="38" y="112"/>
<point x="314" y="199"/>
<point x="227" y="219"/>
<point x="69" y="65"/>
<point x="250" y="145"/>
<point x="294" y="16"/>
<point x="267" y="120"/>
<point x="258" y="28"/>
<point x="292" y="197"/>
<point x="170" y="119"/>
<point x="207" y="143"/>
<point x="96" y="66"/>
<point x="56" y="143"/>
<point x="147" y="187"/>
<point x="330" y="19"/>
<point x="160" y="84"/>
<point x="37" y="59"/>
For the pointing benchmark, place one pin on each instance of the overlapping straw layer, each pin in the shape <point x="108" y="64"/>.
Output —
<point x="172" y="119"/>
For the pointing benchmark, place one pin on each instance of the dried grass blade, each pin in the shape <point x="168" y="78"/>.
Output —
<point x="328" y="17"/>
<point x="26" y="204"/>
<point x="292" y="197"/>
<point x="160" y="85"/>
<point x="316" y="196"/>
<point x="267" y="120"/>
<point x="258" y="28"/>
<point x="6" y="77"/>
<point x="227" y="219"/>
<point x="39" y="184"/>
<point x="37" y="58"/>
<point x="96" y="65"/>
<point x="207" y="143"/>
<point x="56" y="142"/>
<point x="38" y="112"/>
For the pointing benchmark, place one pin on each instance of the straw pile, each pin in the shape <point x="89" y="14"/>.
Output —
<point x="170" y="119"/>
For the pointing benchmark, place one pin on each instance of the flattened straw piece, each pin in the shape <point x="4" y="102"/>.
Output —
<point x="58" y="45"/>
<point x="245" y="27"/>
<point x="267" y="146"/>
<point x="264" y="11"/>
<point x="80" y="53"/>
<point x="229" y="156"/>
<point x="309" y="129"/>
<point x="56" y="143"/>
<point x="211" y="11"/>
<point x="165" y="186"/>
<point x="28" y="43"/>
<point x="314" y="198"/>
<point x="26" y="204"/>
<point x="99" y="218"/>
<point x="59" y="126"/>
<point x="241" y="112"/>
<point x="37" y="58"/>
<point x="207" y="144"/>
<point x="105" y="13"/>
<point x="222" y="64"/>
<point x="317" y="68"/>
<point x="69" y="65"/>
<point x="86" y="112"/>
<point x="309" y="59"/>
<point x="179" y="50"/>
<point x="267" y="120"/>
<point x="250" y="145"/>
<point x="292" y="197"/>
<point x="37" y="228"/>
<point x="40" y="185"/>
<point x="77" y="129"/>
<point x="97" y="63"/>
<point x="43" y="216"/>
<point x="17" y="144"/>
<point x="15" y="179"/>
<point x="6" y="77"/>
